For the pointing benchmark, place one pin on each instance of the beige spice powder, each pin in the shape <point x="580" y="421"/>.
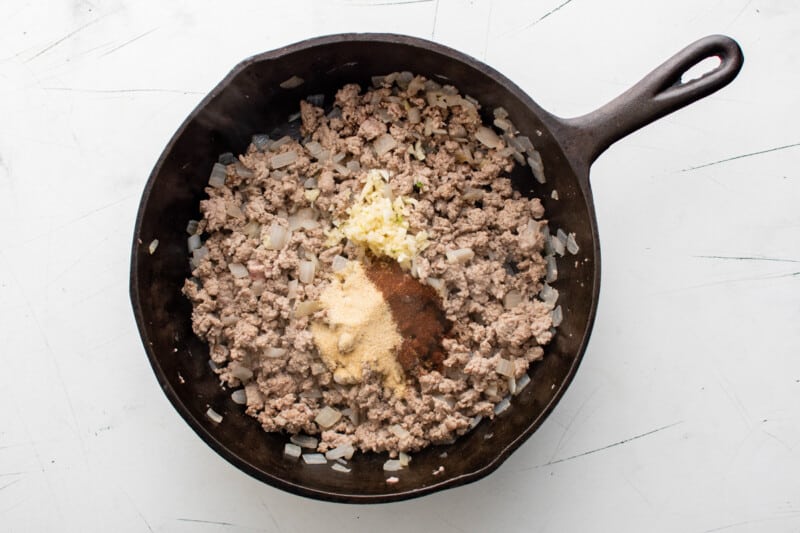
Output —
<point x="359" y="330"/>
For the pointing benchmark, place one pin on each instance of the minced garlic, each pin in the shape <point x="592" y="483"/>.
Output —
<point x="380" y="223"/>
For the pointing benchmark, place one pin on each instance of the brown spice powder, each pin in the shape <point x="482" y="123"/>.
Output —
<point x="417" y="310"/>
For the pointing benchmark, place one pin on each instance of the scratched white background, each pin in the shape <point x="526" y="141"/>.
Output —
<point x="685" y="415"/>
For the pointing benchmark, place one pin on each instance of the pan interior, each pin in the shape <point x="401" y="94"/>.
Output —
<point x="250" y="101"/>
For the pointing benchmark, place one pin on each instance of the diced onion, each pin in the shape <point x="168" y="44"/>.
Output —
<point x="191" y="227"/>
<point x="339" y="263"/>
<point x="512" y="385"/>
<point x="459" y="256"/>
<point x="557" y="316"/>
<point x="214" y="416"/>
<point x="340" y="468"/>
<point x="437" y="284"/>
<point x="292" y="289"/>
<point x="522" y="383"/>
<point x="383" y="144"/>
<point x="284" y="159"/>
<point x="487" y="137"/>
<point x="306" y="308"/>
<point x="552" y="269"/>
<point x="238" y="270"/>
<point x="572" y="245"/>
<point x="327" y="417"/>
<point x="274" y="353"/>
<point x="503" y="124"/>
<point x="392" y="465"/>
<point x="392" y="480"/>
<point x="557" y="245"/>
<point x="291" y="83"/>
<point x="549" y="295"/>
<point x="505" y="367"/>
<point x="194" y="242"/>
<point x="474" y="422"/>
<point x="306" y="271"/>
<point x="404" y="459"/>
<point x="345" y="450"/>
<point x="274" y="145"/>
<point x="500" y="112"/>
<point x="260" y="141"/>
<point x="399" y="431"/>
<point x="537" y="167"/>
<point x="525" y="143"/>
<point x="153" y="246"/>
<point x="317" y="100"/>
<point x="304" y="441"/>
<point x="242" y="373"/>
<point x="278" y="237"/>
<point x="502" y="405"/>
<point x="310" y="183"/>
<point x="471" y="194"/>
<point x="292" y="450"/>
<point x="218" y="175"/>
<point x="314" y="459"/>
<point x="512" y="299"/>
<point x="239" y="396"/>
<point x="414" y="115"/>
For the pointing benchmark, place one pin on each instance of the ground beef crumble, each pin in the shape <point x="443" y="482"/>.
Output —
<point x="257" y="335"/>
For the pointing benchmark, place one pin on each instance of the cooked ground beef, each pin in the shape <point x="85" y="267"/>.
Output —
<point x="255" y="315"/>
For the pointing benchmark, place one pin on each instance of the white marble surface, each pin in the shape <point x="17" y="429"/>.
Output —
<point x="697" y="331"/>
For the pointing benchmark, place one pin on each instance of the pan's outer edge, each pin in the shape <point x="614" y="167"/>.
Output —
<point x="581" y="172"/>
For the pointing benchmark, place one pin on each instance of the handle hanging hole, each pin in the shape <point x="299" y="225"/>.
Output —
<point x="706" y="66"/>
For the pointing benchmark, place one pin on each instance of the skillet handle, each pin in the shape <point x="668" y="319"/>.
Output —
<point x="659" y="93"/>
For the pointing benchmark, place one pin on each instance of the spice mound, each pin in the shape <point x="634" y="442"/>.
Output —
<point x="373" y="281"/>
<point x="358" y="331"/>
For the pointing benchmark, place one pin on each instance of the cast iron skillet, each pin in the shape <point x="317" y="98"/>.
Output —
<point x="249" y="100"/>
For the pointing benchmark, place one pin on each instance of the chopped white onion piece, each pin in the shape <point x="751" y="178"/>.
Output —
<point x="312" y="194"/>
<point x="557" y="316"/>
<point x="198" y="255"/>
<point x="512" y="299"/>
<point x="310" y="183"/>
<point x="239" y="396"/>
<point x="505" y="367"/>
<point x="340" y="468"/>
<point x="242" y="373"/>
<point x="274" y="145"/>
<point x="218" y="175"/>
<point x="252" y="229"/>
<point x="214" y="416"/>
<point x="339" y="263"/>
<point x="314" y="393"/>
<point x="345" y="450"/>
<point x="194" y="242"/>
<point x="472" y="194"/>
<point x="500" y="112"/>
<point x="353" y="166"/>
<point x="278" y="237"/>
<point x="317" y="100"/>
<point x="502" y="405"/>
<point x="293" y="285"/>
<point x="459" y="256"/>
<point x="392" y="480"/>
<point x="292" y="450"/>
<point x="191" y="227"/>
<point x="438" y="285"/>
<point x="512" y="385"/>
<point x="306" y="272"/>
<point x="307" y="308"/>
<point x="537" y="167"/>
<point x="572" y="245"/>
<point x="414" y="115"/>
<point x="552" y="269"/>
<point x="503" y="124"/>
<point x="525" y="143"/>
<point x="487" y="137"/>
<point x="392" y="465"/>
<point x="153" y="246"/>
<point x="557" y="245"/>
<point x="383" y="144"/>
<point x="314" y="459"/>
<point x="474" y="422"/>
<point x="522" y="383"/>
<point x="304" y="441"/>
<point x="549" y="295"/>
<point x="281" y="160"/>
<point x="274" y="353"/>
<point x="327" y="417"/>
<point x="399" y="431"/>
<point x="314" y="148"/>
<point x="404" y="459"/>
<point x="291" y="83"/>
<point x="238" y="270"/>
